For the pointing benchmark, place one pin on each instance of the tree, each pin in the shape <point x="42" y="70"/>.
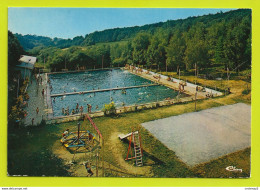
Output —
<point x="175" y="51"/>
<point x="15" y="50"/>
<point x="78" y="59"/>
<point x="156" y="54"/>
<point x="140" y="45"/>
<point x="219" y="56"/>
<point x="196" y="53"/>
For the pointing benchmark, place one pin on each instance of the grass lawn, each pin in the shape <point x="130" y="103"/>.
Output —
<point x="39" y="150"/>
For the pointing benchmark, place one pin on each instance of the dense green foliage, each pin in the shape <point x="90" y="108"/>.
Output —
<point x="30" y="41"/>
<point x="15" y="50"/>
<point x="222" y="39"/>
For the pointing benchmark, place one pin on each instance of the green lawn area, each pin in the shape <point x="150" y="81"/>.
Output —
<point x="37" y="151"/>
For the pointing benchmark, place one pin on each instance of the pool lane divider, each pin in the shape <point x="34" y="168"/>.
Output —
<point x="103" y="90"/>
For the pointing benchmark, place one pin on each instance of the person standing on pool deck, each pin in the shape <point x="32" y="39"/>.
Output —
<point x="81" y="110"/>
<point x="37" y="110"/>
<point x="77" y="107"/>
<point x="68" y="110"/>
<point x="90" y="108"/>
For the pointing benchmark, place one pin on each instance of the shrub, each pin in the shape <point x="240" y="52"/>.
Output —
<point x="246" y="91"/>
<point x="109" y="108"/>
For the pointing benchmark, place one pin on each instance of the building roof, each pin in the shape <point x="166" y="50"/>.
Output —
<point x="27" y="61"/>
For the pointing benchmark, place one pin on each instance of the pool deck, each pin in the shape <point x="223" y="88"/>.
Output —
<point x="36" y="99"/>
<point x="190" y="89"/>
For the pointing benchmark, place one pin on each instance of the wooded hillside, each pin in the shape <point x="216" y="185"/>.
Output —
<point x="215" y="40"/>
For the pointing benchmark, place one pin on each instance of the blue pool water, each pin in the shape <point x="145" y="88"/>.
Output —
<point x="104" y="80"/>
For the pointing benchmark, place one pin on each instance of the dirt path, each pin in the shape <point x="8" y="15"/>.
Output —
<point x="76" y="167"/>
<point x="116" y="148"/>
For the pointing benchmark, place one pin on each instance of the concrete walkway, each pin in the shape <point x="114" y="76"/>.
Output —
<point x="36" y="100"/>
<point x="191" y="90"/>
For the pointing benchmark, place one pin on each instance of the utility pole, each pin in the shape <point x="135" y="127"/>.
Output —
<point x="44" y="62"/>
<point x="179" y="75"/>
<point x="97" y="164"/>
<point x="78" y="131"/>
<point x="103" y="152"/>
<point x="196" y="101"/>
<point x="226" y="87"/>
<point x="166" y="64"/>
<point x="195" y="73"/>
<point x="195" y="87"/>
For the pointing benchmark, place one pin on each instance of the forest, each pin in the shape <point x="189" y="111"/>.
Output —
<point x="220" y="40"/>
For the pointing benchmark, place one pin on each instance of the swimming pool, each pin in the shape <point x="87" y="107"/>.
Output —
<point x="104" y="79"/>
<point x="101" y="79"/>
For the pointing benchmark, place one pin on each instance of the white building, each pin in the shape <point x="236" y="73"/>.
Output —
<point x="26" y="65"/>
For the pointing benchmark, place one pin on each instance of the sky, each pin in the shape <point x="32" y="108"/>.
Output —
<point x="72" y="22"/>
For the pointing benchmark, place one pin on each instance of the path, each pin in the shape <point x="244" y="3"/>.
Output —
<point x="174" y="85"/>
<point x="116" y="148"/>
<point x="36" y="100"/>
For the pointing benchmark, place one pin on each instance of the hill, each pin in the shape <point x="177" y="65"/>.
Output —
<point x="214" y="42"/>
<point x="117" y="34"/>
